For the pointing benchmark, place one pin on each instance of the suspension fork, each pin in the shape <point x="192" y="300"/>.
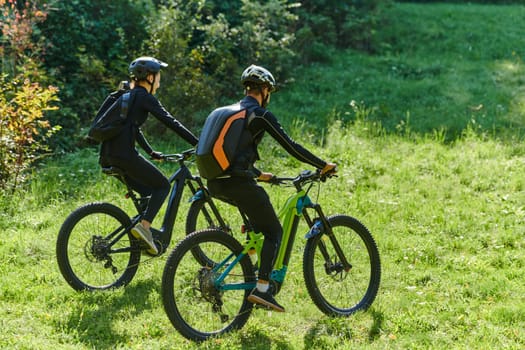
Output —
<point x="326" y="228"/>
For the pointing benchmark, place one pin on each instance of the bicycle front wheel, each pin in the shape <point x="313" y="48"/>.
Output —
<point x="94" y="251"/>
<point x="334" y="290"/>
<point x="199" y="302"/>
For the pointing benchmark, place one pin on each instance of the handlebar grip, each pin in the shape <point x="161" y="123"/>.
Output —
<point x="274" y="180"/>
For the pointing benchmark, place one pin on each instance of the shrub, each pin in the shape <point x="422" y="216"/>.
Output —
<point x="24" y="129"/>
<point x="326" y="24"/>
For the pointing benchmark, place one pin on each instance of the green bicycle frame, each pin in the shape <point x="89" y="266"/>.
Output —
<point x="289" y="215"/>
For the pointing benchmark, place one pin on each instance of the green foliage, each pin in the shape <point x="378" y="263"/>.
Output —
<point x="207" y="50"/>
<point x="89" y="46"/>
<point x="24" y="131"/>
<point x="185" y="87"/>
<point x="25" y="102"/>
<point x="437" y="72"/>
<point x="343" y="24"/>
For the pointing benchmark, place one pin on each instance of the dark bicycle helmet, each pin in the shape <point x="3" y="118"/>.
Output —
<point x="142" y="66"/>
<point x="256" y="75"/>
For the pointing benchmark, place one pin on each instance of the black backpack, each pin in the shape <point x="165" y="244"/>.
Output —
<point x="219" y="140"/>
<point x="111" y="116"/>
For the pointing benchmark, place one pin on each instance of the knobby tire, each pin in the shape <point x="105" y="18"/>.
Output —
<point x="192" y="301"/>
<point x="84" y="256"/>
<point x="334" y="291"/>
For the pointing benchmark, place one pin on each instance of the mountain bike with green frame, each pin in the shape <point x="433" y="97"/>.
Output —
<point x="209" y="274"/>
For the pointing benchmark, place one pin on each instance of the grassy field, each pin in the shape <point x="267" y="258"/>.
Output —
<point x="441" y="67"/>
<point x="431" y="160"/>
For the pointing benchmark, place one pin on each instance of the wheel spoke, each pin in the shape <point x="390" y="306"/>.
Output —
<point x="334" y="290"/>
<point x="87" y="258"/>
<point x="193" y="299"/>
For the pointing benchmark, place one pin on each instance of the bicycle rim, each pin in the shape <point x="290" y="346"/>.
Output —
<point x="85" y="256"/>
<point x="333" y="290"/>
<point x="193" y="303"/>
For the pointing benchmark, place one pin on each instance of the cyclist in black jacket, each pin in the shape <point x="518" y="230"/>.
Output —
<point x="239" y="186"/>
<point x="140" y="173"/>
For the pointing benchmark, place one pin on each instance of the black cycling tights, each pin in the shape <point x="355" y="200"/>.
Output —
<point x="147" y="180"/>
<point x="253" y="200"/>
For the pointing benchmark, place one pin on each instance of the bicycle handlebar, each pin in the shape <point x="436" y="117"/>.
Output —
<point x="177" y="157"/>
<point x="304" y="176"/>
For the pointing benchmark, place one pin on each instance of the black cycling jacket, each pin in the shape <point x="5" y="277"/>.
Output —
<point x="142" y="104"/>
<point x="260" y="120"/>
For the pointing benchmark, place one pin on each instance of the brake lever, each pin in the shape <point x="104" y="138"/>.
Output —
<point x="329" y="174"/>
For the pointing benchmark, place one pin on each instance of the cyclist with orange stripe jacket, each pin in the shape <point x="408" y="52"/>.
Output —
<point x="239" y="185"/>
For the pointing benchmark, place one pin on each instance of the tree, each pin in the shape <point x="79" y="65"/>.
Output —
<point x="89" y="45"/>
<point x="207" y="48"/>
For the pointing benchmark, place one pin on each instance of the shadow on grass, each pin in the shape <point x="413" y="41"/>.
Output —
<point x="329" y="331"/>
<point x="92" y="314"/>
<point x="259" y="340"/>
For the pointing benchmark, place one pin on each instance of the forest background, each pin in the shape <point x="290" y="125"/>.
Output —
<point x="61" y="58"/>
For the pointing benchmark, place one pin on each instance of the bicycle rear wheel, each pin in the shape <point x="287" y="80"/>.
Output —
<point x="334" y="291"/>
<point x="197" y="305"/>
<point x="93" y="249"/>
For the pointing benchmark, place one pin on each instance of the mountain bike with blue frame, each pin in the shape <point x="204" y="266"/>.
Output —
<point x="95" y="249"/>
<point x="205" y="295"/>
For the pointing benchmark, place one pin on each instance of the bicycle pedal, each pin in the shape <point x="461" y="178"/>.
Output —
<point x="262" y="307"/>
<point x="146" y="252"/>
<point x="144" y="249"/>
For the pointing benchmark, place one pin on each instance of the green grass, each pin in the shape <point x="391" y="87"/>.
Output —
<point x="442" y="191"/>
<point x="440" y="67"/>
